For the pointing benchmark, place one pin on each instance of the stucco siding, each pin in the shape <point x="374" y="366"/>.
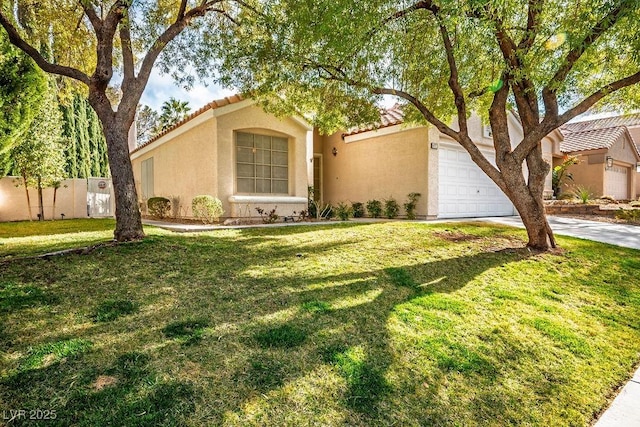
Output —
<point x="378" y="167"/>
<point x="184" y="166"/>
<point x="254" y="120"/>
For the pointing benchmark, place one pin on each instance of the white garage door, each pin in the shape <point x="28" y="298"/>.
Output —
<point x="466" y="191"/>
<point x="617" y="182"/>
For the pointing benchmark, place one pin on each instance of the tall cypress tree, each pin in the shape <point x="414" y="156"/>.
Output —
<point x="99" y="162"/>
<point x="82" y="137"/>
<point x="70" y="140"/>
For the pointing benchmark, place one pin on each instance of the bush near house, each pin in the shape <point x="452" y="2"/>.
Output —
<point x="391" y="208"/>
<point x="344" y="211"/>
<point x="410" y="206"/>
<point x="207" y="208"/>
<point x="358" y="209"/>
<point x="159" y="207"/>
<point x="374" y="208"/>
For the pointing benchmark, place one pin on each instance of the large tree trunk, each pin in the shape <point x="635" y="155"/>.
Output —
<point x="527" y="197"/>
<point x="116" y="132"/>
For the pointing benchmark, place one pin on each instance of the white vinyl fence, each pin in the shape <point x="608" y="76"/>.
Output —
<point x="76" y="198"/>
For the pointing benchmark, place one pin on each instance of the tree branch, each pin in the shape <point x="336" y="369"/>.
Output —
<point x="45" y="65"/>
<point x="91" y="13"/>
<point x="127" y="50"/>
<point x="550" y="123"/>
<point x="533" y="15"/>
<point x="454" y="81"/>
<point x="576" y="53"/>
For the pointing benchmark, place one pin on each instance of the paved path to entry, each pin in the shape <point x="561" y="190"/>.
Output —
<point x="625" y="409"/>
<point x="604" y="232"/>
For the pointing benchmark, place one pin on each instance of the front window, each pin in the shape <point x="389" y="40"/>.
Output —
<point x="262" y="163"/>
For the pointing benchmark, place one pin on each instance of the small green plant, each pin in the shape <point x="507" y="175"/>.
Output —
<point x="344" y="211"/>
<point x="316" y="306"/>
<point x="110" y="310"/>
<point x="560" y="173"/>
<point x="358" y="209"/>
<point x="630" y="215"/>
<point x="410" y="205"/>
<point x="583" y="194"/>
<point x="328" y="211"/>
<point x="374" y="208"/>
<point x="159" y="207"/>
<point x="268" y="217"/>
<point x="391" y="208"/>
<point x="207" y="208"/>
<point x="302" y="215"/>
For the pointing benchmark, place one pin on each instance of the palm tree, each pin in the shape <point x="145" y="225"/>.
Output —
<point x="173" y="111"/>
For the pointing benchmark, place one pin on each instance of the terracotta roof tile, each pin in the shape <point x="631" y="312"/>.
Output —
<point x="388" y="117"/>
<point x="233" y="99"/>
<point x="608" y="122"/>
<point x="594" y="139"/>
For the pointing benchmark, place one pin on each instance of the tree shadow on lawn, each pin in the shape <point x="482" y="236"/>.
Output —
<point x="348" y="334"/>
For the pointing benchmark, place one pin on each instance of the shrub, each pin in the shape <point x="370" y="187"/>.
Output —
<point x="207" y="208"/>
<point x="391" y="208"/>
<point x="410" y="206"/>
<point x="609" y="199"/>
<point x="268" y="217"/>
<point x="374" y="208"/>
<point x="328" y="211"/>
<point x="632" y="215"/>
<point x="358" y="209"/>
<point x="159" y="207"/>
<point x="583" y="194"/>
<point x="343" y="211"/>
<point x="635" y="204"/>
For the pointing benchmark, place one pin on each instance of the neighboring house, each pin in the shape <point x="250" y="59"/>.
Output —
<point x="609" y="155"/>
<point x="233" y="150"/>
<point x="247" y="158"/>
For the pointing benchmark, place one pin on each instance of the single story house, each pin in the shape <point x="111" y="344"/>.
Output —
<point x="609" y="154"/>
<point x="234" y="150"/>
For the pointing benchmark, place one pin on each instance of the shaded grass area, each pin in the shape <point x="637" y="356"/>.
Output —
<point x="376" y="324"/>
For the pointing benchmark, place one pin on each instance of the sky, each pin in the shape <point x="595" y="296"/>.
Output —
<point x="162" y="87"/>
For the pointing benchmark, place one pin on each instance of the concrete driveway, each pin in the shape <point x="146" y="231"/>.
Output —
<point x="605" y="232"/>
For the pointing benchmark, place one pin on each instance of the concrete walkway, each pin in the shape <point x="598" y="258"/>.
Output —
<point x="624" y="235"/>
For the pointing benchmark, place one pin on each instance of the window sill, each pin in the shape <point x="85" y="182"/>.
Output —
<point x="266" y="199"/>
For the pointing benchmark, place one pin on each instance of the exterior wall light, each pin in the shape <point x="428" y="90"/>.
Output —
<point x="334" y="151"/>
<point x="609" y="163"/>
<point x="638" y="167"/>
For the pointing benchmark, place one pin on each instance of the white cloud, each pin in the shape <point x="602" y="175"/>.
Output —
<point x="162" y="87"/>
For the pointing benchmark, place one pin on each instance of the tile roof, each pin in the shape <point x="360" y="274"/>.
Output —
<point x="388" y="117"/>
<point x="629" y="120"/>
<point x="233" y="99"/>
<point x="593" y="139"/>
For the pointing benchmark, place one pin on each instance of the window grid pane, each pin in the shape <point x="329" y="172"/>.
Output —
<point x="262" y="164"/>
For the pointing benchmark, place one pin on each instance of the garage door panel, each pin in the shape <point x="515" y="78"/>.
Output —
<point x="464" y="190"/>
<point x="617" y="182"/>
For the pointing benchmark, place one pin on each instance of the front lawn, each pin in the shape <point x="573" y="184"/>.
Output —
<point x="352" y="324"/>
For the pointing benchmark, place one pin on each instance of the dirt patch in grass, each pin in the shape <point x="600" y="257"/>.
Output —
<point x="456" y="236"/>
<point x="104" y="381"/>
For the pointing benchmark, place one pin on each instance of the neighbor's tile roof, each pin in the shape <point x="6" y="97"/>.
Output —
<point x="608" y="122"/>
<point x="233" y="99"/>
<point x="594" y="139"/>
<point x="388" y="117"/>
<point x="598" y="134"/>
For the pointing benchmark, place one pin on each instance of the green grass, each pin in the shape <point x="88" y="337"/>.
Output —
<point x="377" y="324"/>
<point x="29" y="238"/>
